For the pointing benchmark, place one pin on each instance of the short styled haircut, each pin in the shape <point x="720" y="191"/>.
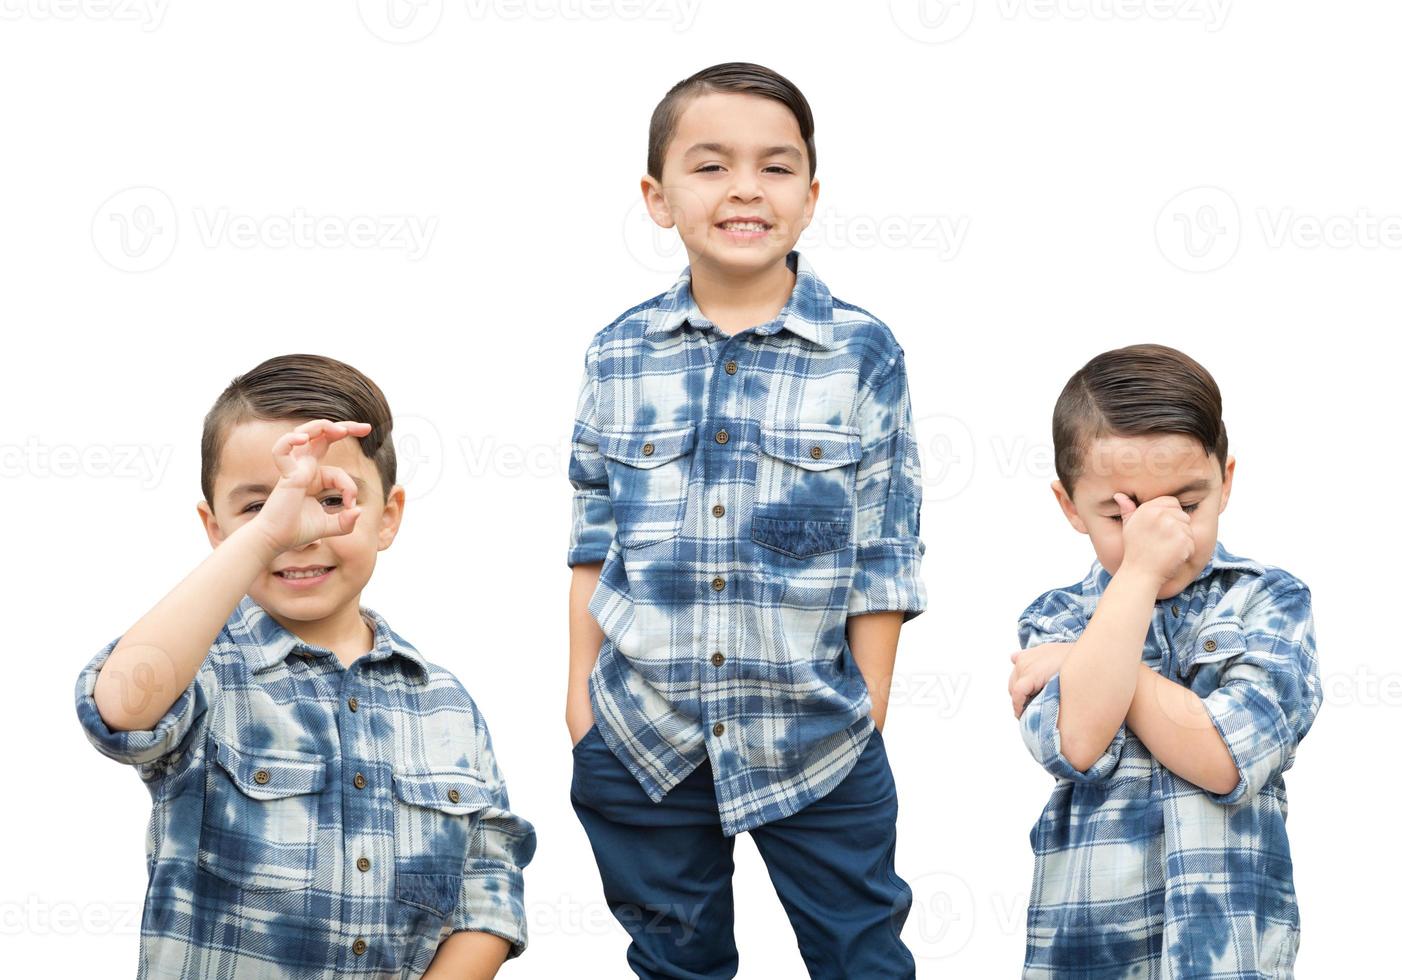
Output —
<point x="732" y="76"/>
<point x="300" y="388"/>
<point x="1144" y="389"/>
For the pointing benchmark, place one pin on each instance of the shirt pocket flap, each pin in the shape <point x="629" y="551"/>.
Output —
<point x="646" y="448"/>
<point x="812" y="446"/>
<point x="1217" y="639"/>
<point x="457" y="791"/>
<point x="271" y="774"/>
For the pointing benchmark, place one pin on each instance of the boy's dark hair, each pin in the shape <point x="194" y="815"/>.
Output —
<point x="300" y="388"/>
<point x="1144" y="389"/>
<point x="732" y="76"/>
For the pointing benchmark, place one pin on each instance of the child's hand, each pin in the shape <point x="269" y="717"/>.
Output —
<point x="293" y="514"/>
<point x="1158" y="537"/>
<point x="1032" y="668"/>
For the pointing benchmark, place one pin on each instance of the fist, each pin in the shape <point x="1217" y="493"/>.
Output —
<point x="1158" y="536"/>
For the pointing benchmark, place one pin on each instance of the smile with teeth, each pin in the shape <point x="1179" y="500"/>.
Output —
<point x="744" y="226"/>
<point x="308" y="573"/>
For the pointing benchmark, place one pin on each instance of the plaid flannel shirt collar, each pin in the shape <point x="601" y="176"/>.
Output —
<point x="1097" y="579"/>
<point x="268" y="643"/>
<point x="808" y="312"/>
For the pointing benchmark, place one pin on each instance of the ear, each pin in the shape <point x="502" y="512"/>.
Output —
<point x="390" y="517"/>
<point x="1068" y="507"/>
<point x="656" y="202"/>
<point x="812" y="204"/>
<point x="1227" y="471"/>
<point x="211" y="524"/>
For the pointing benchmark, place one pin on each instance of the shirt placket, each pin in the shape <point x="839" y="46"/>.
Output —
<point x="367" y="868"/>
<point x="723" y="439"/>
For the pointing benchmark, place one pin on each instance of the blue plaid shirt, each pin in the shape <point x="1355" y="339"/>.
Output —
<point x="1139" y="873"/>
<point x="746" y="493"/>
<point x="310" y="819"/>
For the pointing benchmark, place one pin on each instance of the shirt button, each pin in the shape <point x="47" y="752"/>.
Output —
<point x="454" y="796"/>
<point x="260" y="777"/>
<point x="718" y="510"/>
<point x="722" y="437"/>
<point x="648" y="448"/>
<point x="816" y="452"/>
<point x="731" y="367"/>
<point x="1175" y="609"/>
<point x="717" y="583"/>
<point x="363" y="864"/>
<point x="717" y="658"/>
<point x="359" y="780"/>
<point x="1209" y="645"/>
<point x="353" y="704"/>
<point x="718" y="728"/>
<point x="359" y="947"/>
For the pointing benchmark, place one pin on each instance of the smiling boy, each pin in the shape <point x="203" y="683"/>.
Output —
<point x="745" y="547"/>
<point x="1166" y="692"/>
<point x="325" y="801"/>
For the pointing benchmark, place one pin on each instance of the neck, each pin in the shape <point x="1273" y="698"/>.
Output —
<point x="735" y="301"/>
<point x="346" y="633"/>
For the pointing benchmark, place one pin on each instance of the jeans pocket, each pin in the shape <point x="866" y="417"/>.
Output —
<point x="260" y="822"/>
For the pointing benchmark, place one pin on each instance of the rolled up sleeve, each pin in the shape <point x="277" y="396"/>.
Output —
<point x="592" y="526"/>
<point x="888" y="496"/>
<point x="492" y="898"/>
<point x="151" y="749"/>
<point x="1058" y="617"/>
<point x="1268" y="696"/>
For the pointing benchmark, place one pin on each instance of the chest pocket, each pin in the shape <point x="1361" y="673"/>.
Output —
<point x="805" y="484"/>
<point x="649" y="472"/>
<point x="1214" y="643"/>
<point x="259" y="829"/>
<point x="434" y="816"/>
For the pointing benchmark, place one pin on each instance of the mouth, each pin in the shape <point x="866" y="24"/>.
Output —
<point x="745" y="228"/>
<point x="305" y="575"/>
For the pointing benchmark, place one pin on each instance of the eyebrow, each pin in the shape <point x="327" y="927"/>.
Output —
<point x="255" y="489"/>
<point x="785" y="149"/>
<point x="1201" y="484"/>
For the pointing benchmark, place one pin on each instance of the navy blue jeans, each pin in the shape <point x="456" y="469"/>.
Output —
<point x="666" y="870"/>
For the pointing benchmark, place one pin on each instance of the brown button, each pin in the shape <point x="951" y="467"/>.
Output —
<point x="454" y="796"/>
<point x="718" y="728"/>
<point x="717" y="658"/>
<point x="1175" y="609"/>
<point x="648" y="448"/>
<point x="816" y="452"/>
<point x="260" y="777"/>
<point x="363" y="863"/>
<point x="359" y="780"/>
<point x="359" y="947"/>
<point x="353" y="703"/>
<point x="1210" y="645"/>
<point x="717" y="583"/>
<point x="731" y="367"/>
<point x="718" y="510"/>
<point x="722" y="437"/>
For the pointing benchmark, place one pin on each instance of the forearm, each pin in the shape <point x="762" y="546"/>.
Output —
<point x="156" y="658"/>
<point x="1101" y="672"/>
<point x="1174" y="726"/>
<point x="468" y="956"/>
<point x="585" y="637"/>
<point x="873" y="638"/>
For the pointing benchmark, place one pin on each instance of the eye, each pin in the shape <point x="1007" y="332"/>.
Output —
<point x="708" y="168"/>
<point x="779" y="167"/>
<point x="1188" y="509"/>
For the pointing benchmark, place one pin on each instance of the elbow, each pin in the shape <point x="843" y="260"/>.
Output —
<point x="1082" y="751"/>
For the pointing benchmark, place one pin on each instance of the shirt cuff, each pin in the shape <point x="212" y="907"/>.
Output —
<point x="1256" y="735"/>
<point x="492" y="900"/>
<point x="1043" y="739"/>
<point x="592" y="528"/>
<point x="143" y="748"/>
<point x="886" y="578"/>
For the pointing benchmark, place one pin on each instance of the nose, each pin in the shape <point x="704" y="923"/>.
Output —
<point x="744" y="185"/>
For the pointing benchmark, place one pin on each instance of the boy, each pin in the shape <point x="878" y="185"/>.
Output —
<point x="745" y="548"/>
<point x="325" y="800"/>
<point x="1176" y="681"/>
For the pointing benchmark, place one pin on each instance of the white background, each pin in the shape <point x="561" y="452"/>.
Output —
<point x="1014" y="188"/>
